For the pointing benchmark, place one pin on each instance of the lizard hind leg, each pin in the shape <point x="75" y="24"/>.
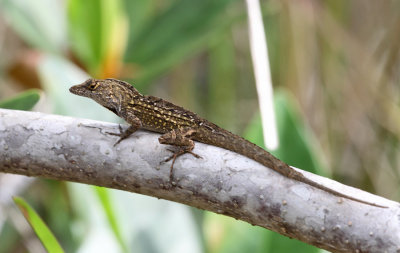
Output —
<point x="180" y="138"/>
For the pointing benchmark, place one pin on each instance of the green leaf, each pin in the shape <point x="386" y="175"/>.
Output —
<point x="98" y="32"/>
<point x="139" y="13"/>
<point x="42" y="231"/>
<point x="223" y="83"/>
<point x="104" y="197"/>
<point x="176" y="33"/>
<point x="23" y="101"/>
<point x="84" y="25"/>
<point x="295" y="142"/>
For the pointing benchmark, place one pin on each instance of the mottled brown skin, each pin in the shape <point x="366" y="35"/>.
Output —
<point x="180" y="126"/>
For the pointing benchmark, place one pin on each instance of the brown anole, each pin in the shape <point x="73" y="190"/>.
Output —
<point x="181" y="127"/>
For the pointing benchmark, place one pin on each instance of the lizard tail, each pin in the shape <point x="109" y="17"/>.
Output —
<point x="239" y="145"/>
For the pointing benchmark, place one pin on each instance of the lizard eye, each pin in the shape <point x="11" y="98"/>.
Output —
<point x="93" y="86"/>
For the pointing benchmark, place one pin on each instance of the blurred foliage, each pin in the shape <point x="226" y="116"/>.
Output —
<point x="296" y="143"/>
<point x="106" y="203"/>
<point x="184" y="28"/>
<point x="23" y="101"/>
<point x="40" y="228"/>
<point x="336" y="62"/>
<point x="98" y="33"/>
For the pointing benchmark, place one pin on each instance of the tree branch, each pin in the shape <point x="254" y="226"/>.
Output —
<point x="80" y="150"/>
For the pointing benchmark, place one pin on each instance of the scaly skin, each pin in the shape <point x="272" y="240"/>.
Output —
<point x="180" y="127"/>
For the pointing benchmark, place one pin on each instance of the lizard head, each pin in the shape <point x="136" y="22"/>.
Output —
<point x="109" y="93"/>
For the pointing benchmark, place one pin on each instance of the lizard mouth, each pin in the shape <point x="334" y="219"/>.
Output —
<point x="78" y="89"/>
<point x="81" y="89"/>
<point x="73" y="90"/>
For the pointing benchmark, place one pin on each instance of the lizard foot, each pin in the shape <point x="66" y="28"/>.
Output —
<point x="123" y="134"/>
<point x="120" y="134"/>
<point x="176" y="154"/>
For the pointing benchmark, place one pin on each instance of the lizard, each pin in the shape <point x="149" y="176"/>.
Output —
<point x="180" y="127"/>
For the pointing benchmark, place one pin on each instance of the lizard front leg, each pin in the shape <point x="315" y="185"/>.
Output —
<point x="181" y="138"/>
<point x="135" y="124"/>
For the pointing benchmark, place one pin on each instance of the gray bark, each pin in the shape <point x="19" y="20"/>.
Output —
<point x="80" y="150"/>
